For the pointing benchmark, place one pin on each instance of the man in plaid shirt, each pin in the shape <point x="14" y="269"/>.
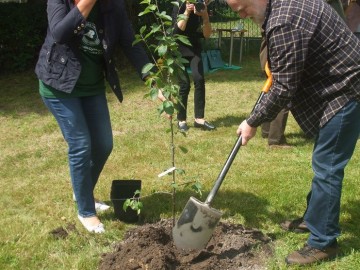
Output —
<point x="315" y="63"/>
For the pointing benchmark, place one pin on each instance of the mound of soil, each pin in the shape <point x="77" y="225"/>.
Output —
<point x="150" y="247"/>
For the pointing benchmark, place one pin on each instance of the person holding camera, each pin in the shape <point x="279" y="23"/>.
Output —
<point x="194" y="24"/>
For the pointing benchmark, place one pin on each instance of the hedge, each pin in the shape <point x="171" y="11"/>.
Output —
<point x="22" y="31"/>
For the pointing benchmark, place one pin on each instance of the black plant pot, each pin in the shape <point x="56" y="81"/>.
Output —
<point x="120" y="191"/>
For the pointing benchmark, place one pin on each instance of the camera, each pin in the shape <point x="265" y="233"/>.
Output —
<point x="200" y="5"/>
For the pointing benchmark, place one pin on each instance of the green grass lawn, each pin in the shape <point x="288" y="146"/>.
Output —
<point x="262" y="188"/>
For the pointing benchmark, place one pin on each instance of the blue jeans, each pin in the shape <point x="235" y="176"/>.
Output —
<point x="85" y="125"/>
<point x="334" y="146"/>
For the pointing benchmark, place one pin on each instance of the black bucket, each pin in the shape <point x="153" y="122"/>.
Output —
<point x="120" y="191"/>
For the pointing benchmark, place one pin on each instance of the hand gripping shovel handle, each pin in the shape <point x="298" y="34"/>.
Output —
<point x="238" y="143"/>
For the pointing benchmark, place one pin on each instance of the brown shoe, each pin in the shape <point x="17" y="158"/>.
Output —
<point x="297" y="225"/>
<point x="308" y="254"/>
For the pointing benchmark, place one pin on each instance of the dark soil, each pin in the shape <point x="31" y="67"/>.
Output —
<point x="62" y="233"/>
<point x="150" y="247"/>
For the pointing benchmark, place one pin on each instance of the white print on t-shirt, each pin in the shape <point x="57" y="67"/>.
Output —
<point x="90" y="41"/>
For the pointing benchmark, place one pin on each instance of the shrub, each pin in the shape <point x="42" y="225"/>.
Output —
<point x="22" y="31"/>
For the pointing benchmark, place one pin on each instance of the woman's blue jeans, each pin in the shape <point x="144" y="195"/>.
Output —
<point x="334" y="146"/>
<point x="85" y="125"/>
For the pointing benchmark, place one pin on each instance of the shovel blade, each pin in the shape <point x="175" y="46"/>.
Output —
<point x="195" y="225"/>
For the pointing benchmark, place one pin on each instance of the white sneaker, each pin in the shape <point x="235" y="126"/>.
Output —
<point x="93" y="229"/>
<point x="99" y="205"/>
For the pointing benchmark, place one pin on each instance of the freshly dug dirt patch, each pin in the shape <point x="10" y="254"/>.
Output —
<point x="61" y="232"/>
<point x="150" y="247"/>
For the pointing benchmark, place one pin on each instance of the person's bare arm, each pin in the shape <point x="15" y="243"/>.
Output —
<point x="85" y="6"/>
<point x="206" y="25"/>
<point x="182" y="23"/>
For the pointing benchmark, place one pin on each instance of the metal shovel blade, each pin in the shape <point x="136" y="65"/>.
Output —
<point x="198" y="220"/>
<point x="195" y="225"/>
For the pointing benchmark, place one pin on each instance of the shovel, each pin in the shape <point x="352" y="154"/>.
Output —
<point x="198" y="220"/>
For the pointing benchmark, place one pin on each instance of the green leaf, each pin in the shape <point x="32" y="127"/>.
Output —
<point x="167" y="94"/>
<point x="168" y="107"/>
<point x="142" y="29"/>
<point x="160" y="108"/>
<point x="136" y="41"/>
<point x="155" y="28"/>
<point x="146" y="11"/>
<point x="175" y="3"/>
<point x="174" y="185"/>
<point x="170" y="61"/>
<point x="126" y="204"/>
<point x="183" y="149"/>
<point x="197" y="187"/>
<point x="147" y="68"/>
<point x="164" y="16"/>
<point x="148" y="35"/>
<point x="183" y="60"/>
<point x="162" y="49"/>
<point x="183" y="39"/>
<point x="140" y="205"/>
<point x="154" y="93"/>
<point x="180" y="171"/>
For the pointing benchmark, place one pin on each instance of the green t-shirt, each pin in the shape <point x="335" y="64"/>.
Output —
<point x="91" y="80"/>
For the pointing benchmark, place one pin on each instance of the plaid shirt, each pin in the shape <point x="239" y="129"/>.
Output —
<point x="315" y="63"/>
